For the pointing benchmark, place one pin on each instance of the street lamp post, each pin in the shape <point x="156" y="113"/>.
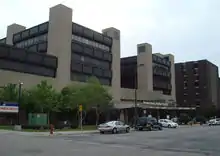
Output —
<point x="135" y="97"/>
<point x="19" y="99"/>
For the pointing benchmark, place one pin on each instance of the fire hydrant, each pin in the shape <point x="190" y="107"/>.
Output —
<point x="51" y="129"/>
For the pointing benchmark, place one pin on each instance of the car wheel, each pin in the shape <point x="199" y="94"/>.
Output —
<point x="127" y="130"/>
<point x="101" y="132"/>
<point x="114" y="131"/>
<point x="169" y="126"/>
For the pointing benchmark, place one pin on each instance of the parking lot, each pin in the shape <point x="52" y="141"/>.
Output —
<point x="184" y="141"/>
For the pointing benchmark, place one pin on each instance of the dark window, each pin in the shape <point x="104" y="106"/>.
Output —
<point x="34" y="31"/>
<point x="88" y="60"/>
<point x="17" y="37"/>
<point x="43" y="27"/>
<point x="107" y="41"/>
<point x="88" y="33"/>
<point x="107" y="56"/>
<point x="4" y="51"/>
<point x="141" y="49"/>
<point x="97" y="71"/>
<point x="26" y="68"/>
<point x="107" y="73"/>
<point x="17" y="54"/>
<point x="79" y="77"/>
<point x="196" y="84"/>
<point x="77" y="29"/>
<point x="88" y="51"/>
<point x="87" y="69"/>
<point x="98" y="53"/>
<point x="50" y="62"/>
<point x="77" y="48"/>
<point x="105" y="65"/>
<point x="33" y="48"/>
<point x="76" y="57"/>
<point x="104" y="81"/>
<point x="76" y="67"/>
<point x="34" y="58"/>
<point x="42" y="47"/>
<point x="98" y="37"/>
<point x="196" y="65"/>
<point x="25" y="34"/>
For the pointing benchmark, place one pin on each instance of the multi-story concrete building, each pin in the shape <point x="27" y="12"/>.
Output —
<point x="61" y="52"/>
<point x="197" y="84"/>
<point x="64" y="52"/>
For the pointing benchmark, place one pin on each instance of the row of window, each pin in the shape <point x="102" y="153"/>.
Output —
<point x="161" y="61"/>
<point x="91" y="35"/>
<point x="161" y="72"/>
<point x="27" y="68"/>
<point x="84" y="78"/>
<point x="82" y="68"/>
<point x="162" y="85"/>
<point x="91" y="61"/>
<point x="32" y="41"/>
<point x="29" y="33"/>
<point x="82" y="49"/>
<point x="22" y="55"/>
<point x="90" y="42"/>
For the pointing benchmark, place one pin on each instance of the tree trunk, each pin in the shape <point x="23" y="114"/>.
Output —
<point x="97" y="117"/>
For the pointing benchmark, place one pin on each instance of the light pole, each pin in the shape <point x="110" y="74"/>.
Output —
<point x="19" y="99"/>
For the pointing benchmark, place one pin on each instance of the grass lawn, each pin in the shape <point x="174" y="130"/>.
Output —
<point x="85" y="128"/>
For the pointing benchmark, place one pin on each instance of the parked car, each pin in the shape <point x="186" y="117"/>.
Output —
<point x="147" y="123"/>
<point x="168" y="123"/>
<point x="214" y="122"/>
<point x="63" y="125"/>
<point x="113" y="127"/>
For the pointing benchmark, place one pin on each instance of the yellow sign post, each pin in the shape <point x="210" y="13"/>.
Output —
<point x="80" y="110"/>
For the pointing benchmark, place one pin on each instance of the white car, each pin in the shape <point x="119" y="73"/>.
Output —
<point x="113" y="127"/>
<point x="168" y="123"/>
<point x="214" y="122"/>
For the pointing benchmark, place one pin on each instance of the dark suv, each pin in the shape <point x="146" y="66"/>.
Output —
<point x="147" y="123"/>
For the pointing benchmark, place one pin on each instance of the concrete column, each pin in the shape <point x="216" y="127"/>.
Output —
<point x="144" y="67"/>
<point x="11" y="30"/>
<point x="172" y="70"/>
<point x="122" y="116"/>
<point x="59" y="41"/>
<point x="116" y="62"/>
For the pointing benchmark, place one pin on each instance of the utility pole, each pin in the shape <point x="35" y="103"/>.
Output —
<point x="135" y="97"/>
<point x="19" y="100"/>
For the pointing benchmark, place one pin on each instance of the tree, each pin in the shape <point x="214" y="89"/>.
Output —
<point x="9" y="93"/>
<point x="42" y="98"/>
<point x="94" y="95"/>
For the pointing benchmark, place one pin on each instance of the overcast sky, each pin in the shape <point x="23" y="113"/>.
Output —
<point x="189" y="29"/>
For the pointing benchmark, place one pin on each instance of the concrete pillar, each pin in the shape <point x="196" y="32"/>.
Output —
<point x="116" y="62"/>
<point x="122" y="116"/>
<point x="172" y="70"/>
<point x="144" y="67"/>
<point x="11" y="30"/>
<point x="59" y="41"/>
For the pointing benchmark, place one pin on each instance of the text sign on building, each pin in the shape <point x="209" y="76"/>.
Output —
<point x="9" y="108"/>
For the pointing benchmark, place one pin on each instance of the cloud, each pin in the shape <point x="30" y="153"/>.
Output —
<point x="187" y="28"/>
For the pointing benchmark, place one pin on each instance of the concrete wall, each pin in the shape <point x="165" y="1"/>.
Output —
<point x="144" y="67"/>
<point x="116" y="61"/>
<point x="59" y="41"/>
<point x="11" y="30"/>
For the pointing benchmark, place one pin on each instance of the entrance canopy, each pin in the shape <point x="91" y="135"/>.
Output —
<point x="151" y="106"/>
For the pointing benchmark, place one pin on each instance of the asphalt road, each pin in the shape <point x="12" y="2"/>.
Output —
<point x="195" y="141"/>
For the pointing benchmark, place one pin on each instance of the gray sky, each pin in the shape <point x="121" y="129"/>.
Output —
<point x="189" y="29"/>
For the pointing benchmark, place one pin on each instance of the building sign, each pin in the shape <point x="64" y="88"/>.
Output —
<point x="155" y="103"/>
<point x="9" y="108"/>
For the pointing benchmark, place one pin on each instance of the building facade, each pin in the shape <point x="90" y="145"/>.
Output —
<point x="62" y="52"/>
<point x="197" y="84"/>
<point x="151" y="75"/>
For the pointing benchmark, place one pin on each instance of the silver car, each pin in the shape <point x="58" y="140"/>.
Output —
<point x="114" y="127"/>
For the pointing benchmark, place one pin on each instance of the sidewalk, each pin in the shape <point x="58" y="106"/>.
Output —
<point x="48" y="133"/>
